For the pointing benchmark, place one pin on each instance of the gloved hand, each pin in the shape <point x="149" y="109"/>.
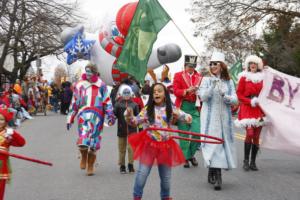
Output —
<point x="227" y="99"/>
<point x="69" y="126"/>
<point x="8" y="134"/>
<point x="188" y="119"/>
<point x="222" y="91"/>
<point x="254" y="102"/>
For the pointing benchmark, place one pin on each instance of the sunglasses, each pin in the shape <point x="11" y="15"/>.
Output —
<point x="213" y="63"/>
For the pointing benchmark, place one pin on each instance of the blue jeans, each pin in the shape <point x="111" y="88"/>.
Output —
<point x="55" y="104"/>
<point x="142" y="175"/>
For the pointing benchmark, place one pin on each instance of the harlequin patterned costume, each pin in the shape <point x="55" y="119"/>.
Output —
<point x="156" y="147"/>
<point x="91" y="102"/>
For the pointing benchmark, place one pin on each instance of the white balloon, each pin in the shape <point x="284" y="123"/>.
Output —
<point x="104" y="60"/>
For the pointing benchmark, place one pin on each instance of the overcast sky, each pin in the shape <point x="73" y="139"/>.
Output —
<point x="95" y="10"/>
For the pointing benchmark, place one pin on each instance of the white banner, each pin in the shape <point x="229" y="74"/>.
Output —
<point x="280" y="100"/>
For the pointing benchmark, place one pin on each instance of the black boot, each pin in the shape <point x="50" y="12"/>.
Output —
<point x="193" y="161"/>
<point x="247" y="149"/>
<point x="253" y="157"/>
<point x="187" y="164"/>
<point x="122" y="169"/>
<point x="211" y="178"/>
<point x="131" y="168"/>
<point x="218" y="182"/>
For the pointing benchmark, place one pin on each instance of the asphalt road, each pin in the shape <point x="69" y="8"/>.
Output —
<point x="48" y="139"/>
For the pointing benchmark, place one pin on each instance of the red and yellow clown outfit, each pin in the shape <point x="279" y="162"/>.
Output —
<point x="8" y="137"/>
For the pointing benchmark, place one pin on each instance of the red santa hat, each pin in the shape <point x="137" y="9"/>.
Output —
<point x="6" y="114"/>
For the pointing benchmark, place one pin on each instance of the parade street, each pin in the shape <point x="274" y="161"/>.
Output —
<point x="47" y="139"/>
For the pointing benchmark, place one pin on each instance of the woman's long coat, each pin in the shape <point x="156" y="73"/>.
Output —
<point x="216" y="120"/>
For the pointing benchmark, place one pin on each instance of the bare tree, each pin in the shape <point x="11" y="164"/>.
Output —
<point x="241" y="15"/>
<point x="231" y="25"/>
<point x="59" y="74"/>
<point x="236" y="48"/>
<point x="30" y="29"/>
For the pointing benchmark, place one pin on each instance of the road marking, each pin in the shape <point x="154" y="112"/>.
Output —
<point x="240" y="136"/>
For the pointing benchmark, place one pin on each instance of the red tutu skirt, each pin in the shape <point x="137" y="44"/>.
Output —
<point x="151" y="152"/>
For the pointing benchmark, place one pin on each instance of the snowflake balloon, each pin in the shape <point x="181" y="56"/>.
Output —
<point x="78" y="48"/>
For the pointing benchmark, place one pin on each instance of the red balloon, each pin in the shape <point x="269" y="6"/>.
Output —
<point x="119" y="40"/>
<point x="124" y="17"/>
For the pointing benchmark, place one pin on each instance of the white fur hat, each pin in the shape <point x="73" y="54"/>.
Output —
<point x="122" y="88"/>
<point x="255" y="59"/>
<point x="217" y="57"/>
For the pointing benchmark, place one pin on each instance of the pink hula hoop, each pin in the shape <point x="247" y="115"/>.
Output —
<point x="213" y="140"/>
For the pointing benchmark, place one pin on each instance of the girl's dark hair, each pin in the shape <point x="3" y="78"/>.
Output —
<point x="151" y="104"/>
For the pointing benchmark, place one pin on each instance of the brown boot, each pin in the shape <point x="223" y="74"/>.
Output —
<point x="91" y="162"/>
<point x="84" y="155"/>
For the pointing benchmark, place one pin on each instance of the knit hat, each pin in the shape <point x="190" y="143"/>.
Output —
<point x="18" y="89"/>
<point x="125" y="91"/>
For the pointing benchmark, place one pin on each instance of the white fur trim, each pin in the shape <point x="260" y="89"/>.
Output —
<point x="240" y="75"/>
<point x="255" y="59"/>
<point x="122" y="87"/>
<point x="254" y="102"/>
<point x="253" y="77"/>
<point x="9" y="132"/>
<point x="249" y="122"/>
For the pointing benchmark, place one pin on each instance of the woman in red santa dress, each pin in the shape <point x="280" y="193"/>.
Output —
<point x="8" y="137"/>
<point x="250" y="115"/>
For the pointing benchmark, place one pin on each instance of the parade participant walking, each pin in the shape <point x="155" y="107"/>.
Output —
<point x="91" y="103"/>
<point x="8" y="137"/>
<point x="250" y="115"/>
<point x="66" y="97"/>
<point x="156" y="147"/>
<point x="125" y="101"/>
<point x="218" y="94"/>
<point x="185" y="85"/>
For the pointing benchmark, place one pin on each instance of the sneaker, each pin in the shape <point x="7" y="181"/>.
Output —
<point x="122" y="169"/>
<point x="131" y="168"/>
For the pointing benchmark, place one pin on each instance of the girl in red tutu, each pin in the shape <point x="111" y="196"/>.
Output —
<point x="156" y="147"/>
<point x="8" y="137"/>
